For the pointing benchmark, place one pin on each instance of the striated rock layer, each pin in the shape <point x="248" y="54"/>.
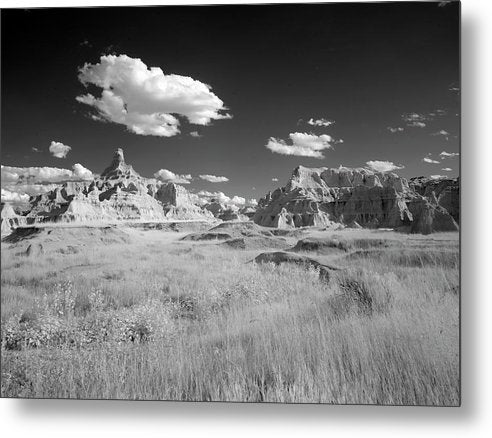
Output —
<point x="119" y="194"/>
<point x="357" y="197"/>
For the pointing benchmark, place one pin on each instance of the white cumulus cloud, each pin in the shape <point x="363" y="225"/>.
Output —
<point x="169" y="176"/>
<point x="447" y="169"/>
<point x="274" y="179"/>
<point x="383" y="166"/>
<point x="14" y="197"/>
<point x="59" y="150"/>
<point x="253" y="202"/>
<point x="81" y="172"/>
<point x="35" y="175"/>
<point x="213" y="178"/>
<point x="303" y="145"/>
<point x="221" y="198"/>
<point x="146" y="100"/>
<point x="195" y="134"/>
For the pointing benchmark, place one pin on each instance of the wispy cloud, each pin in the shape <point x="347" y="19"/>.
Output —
<point x="447" y="169"/>
<point x="414" y="120"/>
<point x="420" y="120"/>
<point x="444" y="155"/>
<point x="396" y="129"/>
<point x="195" y="134"/>
<point x="213" y="178"/>
<point x="383" y="166"/>
<point x="146" y="100"/>
<point x="430" y="160"/>
<point x="35" y="149"/>
<point x="302" y="145"/>
<point x="442" y="132"/>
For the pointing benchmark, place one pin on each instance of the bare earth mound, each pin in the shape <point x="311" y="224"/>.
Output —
<point x="281" y="257"/>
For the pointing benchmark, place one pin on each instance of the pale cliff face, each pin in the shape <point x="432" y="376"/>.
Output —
<point x="355" y="197"/>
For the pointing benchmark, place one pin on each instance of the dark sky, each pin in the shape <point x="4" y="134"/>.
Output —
<point x="362" y="65"/>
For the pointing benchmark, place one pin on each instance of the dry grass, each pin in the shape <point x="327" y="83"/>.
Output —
<point x="163" y="319"/>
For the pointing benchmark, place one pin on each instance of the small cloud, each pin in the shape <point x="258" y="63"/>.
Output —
<point x="59" y="150"/>
<point x="81" y="172"/>
<point x="195" y="134"/>
<point x="447" y="169"/>
<point x="430" y="160"/>
<point x="416" y="120"/>
<point x="444" y="155"/>
<point x="253" y="202"/>
<point x="213" y="178"/>
<point x="438" y="176"/>
<point x="34" y="149"/>
<point x="320" y="122"/>
<point x="442" y="132"/>
<point x="454" y="88"/>
<point x="413" y="117"/>
<point x="416" y="124"/>
<point x="303" y="145"/>
<point x="394" y="130"/>
<point x="383" y="166"/>
<point x="85" y="43"/>
<point x="169" y="176"/>
<point x="274" y="179"/>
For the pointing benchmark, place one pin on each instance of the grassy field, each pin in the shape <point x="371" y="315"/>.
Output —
<point x="142" y="315"/>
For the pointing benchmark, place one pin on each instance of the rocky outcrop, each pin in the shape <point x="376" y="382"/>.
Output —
<point x="10" y="219"/>
<point x="352" y="197"/>
<point x="446" y="192"/>
<point x="118" y="194"/>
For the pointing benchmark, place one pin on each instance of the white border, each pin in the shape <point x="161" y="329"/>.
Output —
<point x="48" y="418"/>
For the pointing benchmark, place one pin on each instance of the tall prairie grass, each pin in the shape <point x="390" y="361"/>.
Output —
<point x="187" y="321"/>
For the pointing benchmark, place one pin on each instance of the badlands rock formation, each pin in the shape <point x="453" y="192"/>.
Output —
<point x="443" y="191"/>
<point x="119" y="194"/>
<point x="358" y="197"/>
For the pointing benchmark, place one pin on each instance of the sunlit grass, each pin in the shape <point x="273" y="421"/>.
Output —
<point x="189" y="321"/>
